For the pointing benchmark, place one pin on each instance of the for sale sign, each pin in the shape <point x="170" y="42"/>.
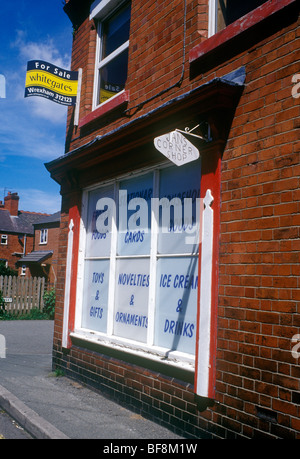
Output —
<point x="54" y="83"/>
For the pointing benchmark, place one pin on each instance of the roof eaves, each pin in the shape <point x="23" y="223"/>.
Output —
<point x="234" y="79"/>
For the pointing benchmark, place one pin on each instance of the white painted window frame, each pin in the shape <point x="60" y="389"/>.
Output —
<point x="100" y="10"/>
<point x="4" y="239"/>
<point x="43" y="236"/>
<point x="148" y="350"/>
<point x="212" y="17"/>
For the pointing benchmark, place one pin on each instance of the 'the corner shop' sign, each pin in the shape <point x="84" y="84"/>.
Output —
<point x="176" y="148"/>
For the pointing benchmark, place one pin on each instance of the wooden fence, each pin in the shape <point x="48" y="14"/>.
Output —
<point x="22" y="294"/>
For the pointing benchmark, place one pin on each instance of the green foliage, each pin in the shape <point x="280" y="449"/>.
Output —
<point x="4" y="315"/>
<point x="33" y="314"/>
<point x="49" y="303"/>
<point x="59" y="372"/>
<point x="37" y="314"/>
<point x="4" y="271"/>
<point x="2" y="305"/>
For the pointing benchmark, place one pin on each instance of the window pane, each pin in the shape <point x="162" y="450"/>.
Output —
<point x="115" y="31"/>
<point x="43" y="236"/>
<point x="97" y="239"/>
<point x="94" y="311"/>
<point x="176" y="303"/>
<point x="135" y="216"/>
<point x="113" y="76"/>
<point x="177" y="226"/>
<point x="4" y="239"/>
<point x="131" y="299"/>
<point x="175" y="277"/>
<point x="231" y="10"/>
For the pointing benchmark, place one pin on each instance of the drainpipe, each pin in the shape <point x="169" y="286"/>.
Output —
<point x="24" y="248"/>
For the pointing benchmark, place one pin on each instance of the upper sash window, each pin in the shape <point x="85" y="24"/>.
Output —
<point x="225" y="12"/>
<point x="112" y="54"/>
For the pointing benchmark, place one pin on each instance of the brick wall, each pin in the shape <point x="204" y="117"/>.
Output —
<point x="259" y="261"/>
<point x="61" y="269"/>
<point x="15" y="246"/>
<point x="11" y="203"/>
<point x="257" y="386"/>
<point x="52" y="244"/>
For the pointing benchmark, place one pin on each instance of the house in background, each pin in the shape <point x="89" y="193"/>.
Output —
<point x="16" y="230"/>
<point x="42" y="260"/>
<point x="28" y="240"/>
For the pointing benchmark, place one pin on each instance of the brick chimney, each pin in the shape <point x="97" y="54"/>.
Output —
<point x="11" y="203"/>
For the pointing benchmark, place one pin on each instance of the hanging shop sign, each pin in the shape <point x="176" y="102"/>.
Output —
<point x="54" y="83"/>
<point x="176" y="148"/>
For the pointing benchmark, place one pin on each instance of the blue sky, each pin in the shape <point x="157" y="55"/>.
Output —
<point x="32" y="130"/>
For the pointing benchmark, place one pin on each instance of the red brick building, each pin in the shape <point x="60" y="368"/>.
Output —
<point x="42" y="260"/>
<point x="29" y="240"/>
<point x="16" y="230"/>
<point x="200" y="337"/>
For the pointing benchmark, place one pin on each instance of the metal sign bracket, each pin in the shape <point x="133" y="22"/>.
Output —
<point x="189" y="131"/>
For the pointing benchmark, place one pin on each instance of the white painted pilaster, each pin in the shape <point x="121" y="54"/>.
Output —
<point x="68" y="285"/>
<point x="203" y="345"/>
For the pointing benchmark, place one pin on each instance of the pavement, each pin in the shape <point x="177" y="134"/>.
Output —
<point x="48" y="406"/>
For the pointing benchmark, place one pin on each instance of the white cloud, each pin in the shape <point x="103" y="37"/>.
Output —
<point x="39" y="201"/>
<point x="47" y="109"/>
<point x="46" y="51"/>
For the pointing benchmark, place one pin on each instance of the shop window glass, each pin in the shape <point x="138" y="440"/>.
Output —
<point x="175" y="187"/>
<point x="131" y="300"/>
<point x="95" y="301"/>
<point x="97" y="263"/>
<point x="134" y="235"/>
<point x="176" y="303"/>
<point x="140" y="278"/>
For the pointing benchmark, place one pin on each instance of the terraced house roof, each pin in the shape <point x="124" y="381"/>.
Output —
<point x="20" y="224"/>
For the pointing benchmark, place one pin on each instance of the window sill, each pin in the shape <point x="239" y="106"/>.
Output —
<point x="111" y="104"/>
<point x="232" y="34"/>
<point x="129" y="350"/>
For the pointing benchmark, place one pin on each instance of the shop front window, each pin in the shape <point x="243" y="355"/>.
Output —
<point x="140" y="241"/>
